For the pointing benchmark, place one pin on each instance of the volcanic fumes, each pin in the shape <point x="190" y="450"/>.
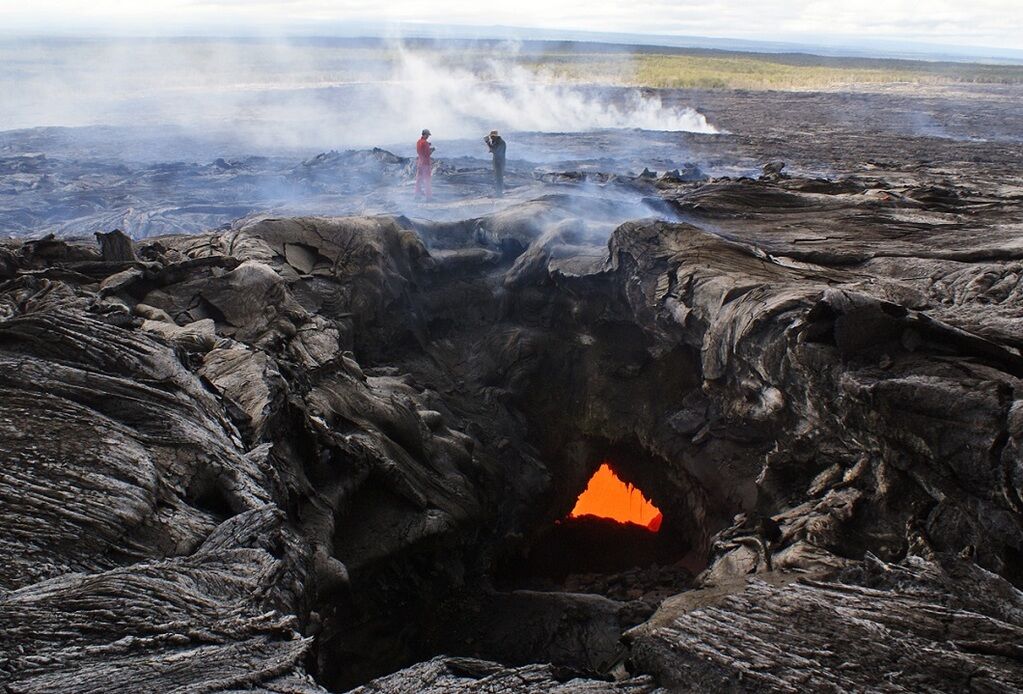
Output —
<point x="607" y="496"/>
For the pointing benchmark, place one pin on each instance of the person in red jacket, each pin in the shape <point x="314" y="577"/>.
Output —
<point x="424" y="152"/>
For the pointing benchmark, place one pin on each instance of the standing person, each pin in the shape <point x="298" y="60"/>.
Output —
<point x="424" y="165"/>
<point x="497" y="147"/>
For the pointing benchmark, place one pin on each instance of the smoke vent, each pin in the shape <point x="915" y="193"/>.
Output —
<point x="607" y="496"/>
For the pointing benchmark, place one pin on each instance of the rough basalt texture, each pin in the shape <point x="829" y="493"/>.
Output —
<point x="442" y="675"/>
<point x="306" y="447"/>
<point x="218" y="619"/>
<point x="920" y="626"/>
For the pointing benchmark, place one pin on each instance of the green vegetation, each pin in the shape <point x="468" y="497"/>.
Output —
<point x="760" y="71"/>
<point x="756" y="73"/>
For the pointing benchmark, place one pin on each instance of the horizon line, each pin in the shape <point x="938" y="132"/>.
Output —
<point x="823" y="46"/>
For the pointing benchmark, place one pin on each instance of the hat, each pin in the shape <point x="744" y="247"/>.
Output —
<point x="425" y="132"/>
<point x="493" y="133"/>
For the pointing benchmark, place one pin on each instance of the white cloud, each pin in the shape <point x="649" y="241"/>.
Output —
<point x="996" y="23"/>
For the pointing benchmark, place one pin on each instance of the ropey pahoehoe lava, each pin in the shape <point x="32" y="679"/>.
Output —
<point x="612" y="432"/>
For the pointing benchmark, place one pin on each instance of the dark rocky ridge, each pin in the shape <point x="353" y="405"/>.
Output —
<point x="303" y="447"/>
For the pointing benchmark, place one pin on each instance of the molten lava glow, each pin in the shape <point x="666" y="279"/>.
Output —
<point x="607" y="496"/>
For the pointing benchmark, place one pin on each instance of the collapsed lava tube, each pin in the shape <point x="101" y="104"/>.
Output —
<point x="606" y="496"/>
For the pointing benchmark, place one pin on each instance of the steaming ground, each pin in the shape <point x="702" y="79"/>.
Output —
<point x="174" y="136"/>
<point x="156" y="141"/>
<point x="74" y="181"/>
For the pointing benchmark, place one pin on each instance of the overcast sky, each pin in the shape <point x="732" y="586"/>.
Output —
<point x="993" y="23"/>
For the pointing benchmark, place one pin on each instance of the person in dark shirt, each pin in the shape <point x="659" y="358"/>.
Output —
<point x="424" y="166"/>
<point x="497" y="147"/>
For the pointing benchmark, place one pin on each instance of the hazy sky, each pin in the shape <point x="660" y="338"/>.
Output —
<point x="995" y="23"/>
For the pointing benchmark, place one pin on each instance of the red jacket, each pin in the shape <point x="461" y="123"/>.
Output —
<point x="423" y="150"/>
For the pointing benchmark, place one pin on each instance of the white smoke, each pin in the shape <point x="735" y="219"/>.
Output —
<point x="310" y="95"/>
<point x="509" y="96"/>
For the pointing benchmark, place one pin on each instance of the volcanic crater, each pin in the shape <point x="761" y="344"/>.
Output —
<point x="300" y="454"/>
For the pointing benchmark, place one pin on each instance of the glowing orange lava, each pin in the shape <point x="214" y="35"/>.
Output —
<point x="607" y="496"/>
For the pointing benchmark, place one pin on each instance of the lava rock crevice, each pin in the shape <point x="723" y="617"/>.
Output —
<point x="309" y="446"/>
